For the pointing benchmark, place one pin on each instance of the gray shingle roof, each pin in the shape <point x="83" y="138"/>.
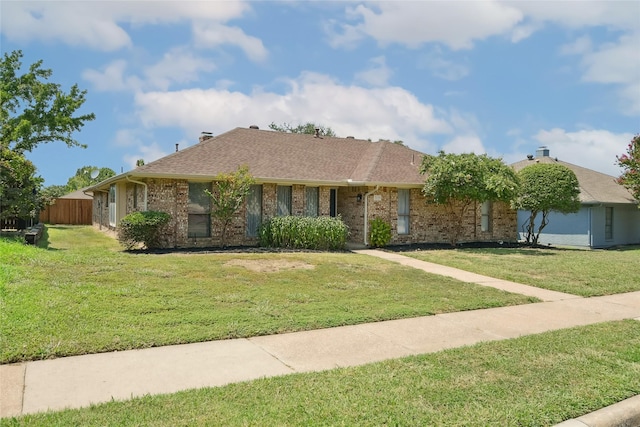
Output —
<point x="286" y="157"/>
<point x="595" y="187"/>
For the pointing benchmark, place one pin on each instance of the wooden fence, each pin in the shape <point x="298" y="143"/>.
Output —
<point x="68" y="211"/>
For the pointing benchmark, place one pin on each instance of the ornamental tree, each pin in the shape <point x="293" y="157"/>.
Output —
<point x="459" y="181"/>
<point x="230" y="191"/>
<point x="630" y="162"/>
<point x="34" y="111"/>
<point x="545" y="188"/>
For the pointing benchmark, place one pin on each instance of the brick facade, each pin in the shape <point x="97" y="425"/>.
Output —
<point x="428" y="223"/>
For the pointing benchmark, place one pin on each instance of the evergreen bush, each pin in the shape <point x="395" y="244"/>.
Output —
<point x="142" y="228"/>
<point x="297" y="232"/>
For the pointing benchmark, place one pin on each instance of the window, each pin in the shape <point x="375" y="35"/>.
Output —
<point x="199" y="210"/>
<point x="333" y="202"/>
<point x="608" y="223"/>
<point x="403" y="211"/>
<point x="254" y="210"/>
<point x="284" y="200"/>
<point x="485" y="216"/>
<point x="311" y="201"/>
<point x="111" y="202"/>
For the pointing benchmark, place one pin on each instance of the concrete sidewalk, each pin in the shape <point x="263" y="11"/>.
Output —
<point x="79" y="381"/>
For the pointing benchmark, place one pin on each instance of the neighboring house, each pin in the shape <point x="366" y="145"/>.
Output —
<point x="609" y="215"/>
<point x="74" y="208"/>
<point x="296" y="174"/>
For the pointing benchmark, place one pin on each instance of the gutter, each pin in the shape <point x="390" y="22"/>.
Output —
<point x="146" y="190"/>
<point x="366" y="214"/>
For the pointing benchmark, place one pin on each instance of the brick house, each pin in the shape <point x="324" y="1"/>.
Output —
<point x="296" y="174"/>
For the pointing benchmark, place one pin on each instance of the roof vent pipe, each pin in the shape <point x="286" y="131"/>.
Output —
<point x="317" y="134"/>
<point x="177" y="147"/>
<point x="253" y="127"/>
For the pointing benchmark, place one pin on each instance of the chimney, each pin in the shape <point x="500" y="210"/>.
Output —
<point x="543" y="151"/>
<point x="317" y="135"/>
<point x="204" y="136"/>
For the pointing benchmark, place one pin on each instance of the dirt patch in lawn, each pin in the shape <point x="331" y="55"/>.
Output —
<point x="269" y="265"/>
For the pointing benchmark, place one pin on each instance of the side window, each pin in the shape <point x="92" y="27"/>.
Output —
<point x="311" y="201"/>
<point x="199" y="210"/>
<point x="486" y="215"/>
<point x="284" y="200"/>
<point x="254" y="210"/>
<point x="608" y="223"/>
<point x="333" y="202"/>
<point x="403" y="211"/>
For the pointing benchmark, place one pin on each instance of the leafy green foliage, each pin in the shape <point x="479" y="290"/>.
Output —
<point x="19" y="186"/>
<point x="142" y="228"/>
<point x="379" y="233"/>
<point x="308" y="128"/>
<point x="630" y="162"/>
<point x="34" y="111"/>
<point x="84" y="177"/>
<point x="297" y="232"/>
<point x="230" y="191"/>
<point x="545" y="188"/>
<point x="458" y="181"/>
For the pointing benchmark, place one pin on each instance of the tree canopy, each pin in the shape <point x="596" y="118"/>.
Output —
<point x="87" y="176"/>
<point x="545" y="188"/>
<point x="34" y="111"/>
<point x="19" y="186"/>
<point x="458" y="181"/>
<point x="307" y="128"/>
<point x="630" y="162"/>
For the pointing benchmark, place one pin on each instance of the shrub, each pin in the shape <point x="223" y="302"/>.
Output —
<point x="142" y="227"/>
<point x="379" y="233"/>
<point x="297" y="232"/>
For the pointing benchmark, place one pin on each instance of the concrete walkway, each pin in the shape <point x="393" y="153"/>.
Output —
<point x="79" y="381"/>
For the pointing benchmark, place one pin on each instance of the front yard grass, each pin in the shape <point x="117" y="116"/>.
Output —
<point x="83" y="294"/>
<point x="537" y="380"/>
<point x="575" y="271"/>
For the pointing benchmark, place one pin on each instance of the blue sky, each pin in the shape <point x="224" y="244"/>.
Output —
<point x="494" y="77"/>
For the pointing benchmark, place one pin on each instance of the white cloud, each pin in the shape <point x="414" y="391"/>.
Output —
<point x="99" y="24"/>
<point x="387" y="113"/>
<point x="469" y="143"/>
<point x="111" y="77"/>
<point x="214" y="35"/>
<point x="177" y="66"/>
<point x="148" y="153"/>
<point x="579" y="46"/>
<point x="443" y="68"/>
<point x="377" y="74"/>
<point x="590" y="148"/>
<point x="455" y="24"/>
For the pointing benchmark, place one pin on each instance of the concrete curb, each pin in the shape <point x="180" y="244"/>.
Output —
<point x="621" y="414"/>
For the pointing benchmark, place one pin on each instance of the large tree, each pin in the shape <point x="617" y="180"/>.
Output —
<point x="87" y="176"/>
<point x="19" y="186"/>
<point x="308" y="128"/>
<point x="459" y="181"/>
<point x="229" y="192"/>
<point x="630" y="162"/>
<point x="34" y="111"/>
<point x="545" y="188"/>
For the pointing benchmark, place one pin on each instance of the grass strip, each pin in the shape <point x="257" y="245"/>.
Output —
<point x="537" y="380"/>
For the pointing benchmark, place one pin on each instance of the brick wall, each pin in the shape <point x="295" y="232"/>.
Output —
<point x="428" y="223"/>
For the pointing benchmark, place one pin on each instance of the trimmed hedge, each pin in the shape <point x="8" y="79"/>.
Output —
<point x="300" y="232"/>
<point x="142" y="227"/>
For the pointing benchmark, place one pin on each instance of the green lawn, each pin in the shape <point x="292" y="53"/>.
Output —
<point x="83" y="294"/>
<point x="574" y="271"/>
<point x="537" y="380"/>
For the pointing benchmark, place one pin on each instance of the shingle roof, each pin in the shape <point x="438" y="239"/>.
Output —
<point x="78" y="194"/>
<point x="286" y="157"/>
<point x="595" y="187"/>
